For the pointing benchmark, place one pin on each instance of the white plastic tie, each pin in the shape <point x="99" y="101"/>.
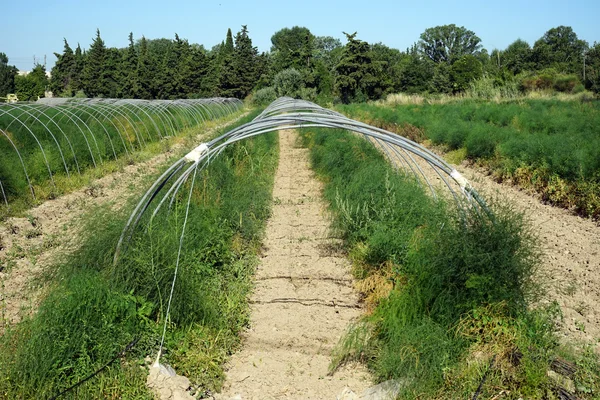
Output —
<point x="461" y="180"/>
<point x="195" y="155"/>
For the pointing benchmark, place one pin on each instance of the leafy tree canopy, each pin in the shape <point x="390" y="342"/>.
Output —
<point x="448" y="43"/>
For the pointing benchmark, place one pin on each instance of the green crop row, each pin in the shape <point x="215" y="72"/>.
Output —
<point x="94" y="308"/>
<point x="550" y="146"/>
<point x="43" y="146"/>
<point x="449" y="294"/>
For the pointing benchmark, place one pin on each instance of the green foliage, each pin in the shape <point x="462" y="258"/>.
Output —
<point x="264" y="96"/>
<point x="461" y="282"/>
<point x="561" y="49"/>
<point x="464" y="71"/>
<point x="592" y="69"/>
<point x="32" y="85"/>
<point x="488" y="88"/>
<point x="97" y="307"/>
<point x="94" y="75"/>
<point x="63" y="73"/>
<point x="358" y="76"/>
<point x="288" y="82"/>
<point x="7" y="76"/>
<point x="448" y="43"/>
<point x="548" y="145"/>
<point x="292" y="48"/>
<point x="517" y="57"/>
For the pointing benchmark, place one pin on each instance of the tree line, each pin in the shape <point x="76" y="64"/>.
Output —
<point x="446" y="59"/>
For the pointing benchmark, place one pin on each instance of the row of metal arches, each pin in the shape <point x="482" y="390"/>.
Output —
<point x="123" y="125"/>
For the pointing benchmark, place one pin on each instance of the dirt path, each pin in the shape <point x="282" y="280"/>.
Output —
<point x="571" y="256"/>
<point x="29" y="244"/>
<point x="303" y="300"/>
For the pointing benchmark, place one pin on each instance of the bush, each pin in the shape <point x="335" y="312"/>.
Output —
<point x="566" y="83"/>
<point x="461" y="280"/>
<point x="288" y="83"/>
<point x="264" y="96"/>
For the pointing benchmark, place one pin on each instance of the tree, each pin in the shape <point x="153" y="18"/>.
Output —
<point x="145" y="72"/>
<point x="113" y="74"/>
<point x="292" y="48"/>
<point x="517" y="57"/>
<point x="416" y="72"/>
<point x="560" y="49"/>
<point x="239" y="71"/>
<point x="63" y="72"/>
<point x="465" y="70"/>
<point x="94" y="71"/>
<point x="77" y="78"/>
<point x="7" y="76"/>
<point x="448" y="43"/>
<point x="592" y="69"/>
<point x="130" y="80"/>
<point x="358" y="77"/>
<point x="32" y="85"/>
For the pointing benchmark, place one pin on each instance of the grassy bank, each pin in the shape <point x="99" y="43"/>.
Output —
<point x="449" y="298"/>
<point x="550" y="146"/>
<point x="94" y="309"/>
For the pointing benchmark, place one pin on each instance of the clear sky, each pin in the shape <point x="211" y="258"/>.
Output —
<point x="36" y="28"/>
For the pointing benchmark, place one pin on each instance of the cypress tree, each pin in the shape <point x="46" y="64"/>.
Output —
<point x="63" y="72"/>
<point x="130" y="81"/>
<point x="94" y="71"/>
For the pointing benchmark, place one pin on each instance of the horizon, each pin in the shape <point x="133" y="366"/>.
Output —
<point x="207" y="24"/>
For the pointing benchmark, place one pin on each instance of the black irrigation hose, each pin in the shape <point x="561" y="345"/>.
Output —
<point x="478" y="392"/>
<point x="119" y="355"/>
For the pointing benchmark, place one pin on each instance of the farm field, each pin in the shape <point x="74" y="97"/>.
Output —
<point x="50" y="147"/>
<point x="550" y="147"/>
<point x="451" y="295"/>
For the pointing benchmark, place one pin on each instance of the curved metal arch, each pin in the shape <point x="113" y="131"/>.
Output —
<point x="22" y="164"/>
<point x="67" y="110"/>
<point x="287" y="113"/>
<point x="84" y="106"/>
<point x="25" y="109"/>
<point x="137" y="106"/>
<point x="126" y="106"/>
<point x="34" y="137"/>
<point x="165" y="119"/>
<point x="42" y="110"/>
<point x="111" y="113"/>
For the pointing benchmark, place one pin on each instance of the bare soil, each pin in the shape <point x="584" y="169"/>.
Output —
<point x="571" y="256"/>
<point x="29" y="245"/>
<point x="570" y="265"/>
<point x="303" y="301"/>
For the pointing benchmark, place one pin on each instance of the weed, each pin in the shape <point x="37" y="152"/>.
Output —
<point x="94" y="308"/>
<point x="449" y="292"/>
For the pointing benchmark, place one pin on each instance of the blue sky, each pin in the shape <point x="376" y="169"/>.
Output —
<point x="37" y="28"/>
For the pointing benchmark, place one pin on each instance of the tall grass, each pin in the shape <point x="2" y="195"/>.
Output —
<point x="461" y="289"/>
<point x="94" y="308"/>
<point x="550" y="146"/>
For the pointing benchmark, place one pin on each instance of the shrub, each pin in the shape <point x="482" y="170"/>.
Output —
<point x="264" y="96"/>
<point x="566" y="83"/>
<point x="288" y="82"/>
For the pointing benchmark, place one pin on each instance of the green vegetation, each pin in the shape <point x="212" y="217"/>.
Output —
<point x="550" y="146"/>
<point x="445" y="59"/>
<point x="94" y="309"/>
<point x="449" y="292"/>
<point x="47" y="151"/>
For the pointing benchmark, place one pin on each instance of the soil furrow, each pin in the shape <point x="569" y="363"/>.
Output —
<point x="302" y="303"/>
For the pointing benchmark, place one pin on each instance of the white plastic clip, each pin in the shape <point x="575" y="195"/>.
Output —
<point x="196" y="154"/>
<point x="461" y="180"/>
